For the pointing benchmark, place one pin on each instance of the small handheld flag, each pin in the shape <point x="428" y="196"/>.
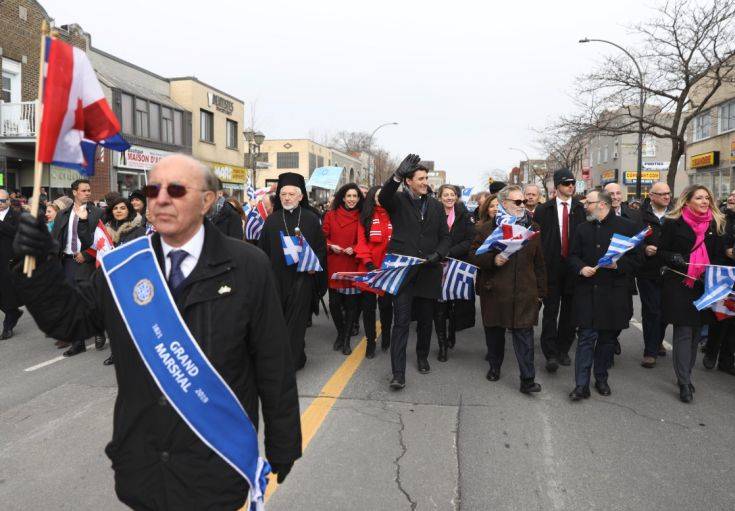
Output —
<point x="620" y="244"/>
<point x="296" y="250"/>
<point x="458" y="280"/>
<point x="102" y="243"/>
<point x="718" y="282"/>
<point x="388" y="278"/>
<point x="253" y="224"/>
<point x="508" y="239"/>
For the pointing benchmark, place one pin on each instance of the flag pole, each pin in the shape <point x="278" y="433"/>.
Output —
<point x="30" y="262"/>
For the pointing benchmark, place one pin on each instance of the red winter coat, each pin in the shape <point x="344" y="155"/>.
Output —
<point x="340" y="228"/>
<point x="372" y="249"/>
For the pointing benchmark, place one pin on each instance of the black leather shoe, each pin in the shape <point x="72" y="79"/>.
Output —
<point x="442" y="356"/>
<point x="685" y="394"/>
<point x="603" y="388"/>
<point x="579" y="393"/>
<point x="108" y="361"/>
<point x="99" y="342"/>
<point x="76" y="349"/>
<point x="618" y="349"/>
<point x="398" y="382"/>
<point x="7" y="334"/>
<point x="424" y="367"/>
<point x="552" y="365"/>
<point x="370" y="349"/>
<point x="564" y="360"/>
<point x="708" y="362"/>
<point x="493" y="374"/>
<point x="528" y="387"/>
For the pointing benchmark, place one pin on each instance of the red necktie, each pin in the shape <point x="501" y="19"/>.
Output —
<point x="565" y="230"/>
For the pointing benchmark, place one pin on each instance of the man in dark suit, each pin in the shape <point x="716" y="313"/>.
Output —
<point x="8" y="299"/>
<point x="558" y="219"/>
<point x="621" y="208"/>
<point x="77" y="263"/>
<point x="419" y="230"/>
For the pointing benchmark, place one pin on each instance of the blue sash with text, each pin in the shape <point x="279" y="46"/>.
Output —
<point x="175" y="361"/>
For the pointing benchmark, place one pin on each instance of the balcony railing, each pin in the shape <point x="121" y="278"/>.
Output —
<point x="18" y="120"/>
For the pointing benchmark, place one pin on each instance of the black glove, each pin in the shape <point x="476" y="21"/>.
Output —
<point x="370" y="266"/>
<point x="433" y="258"/>
<point x="281" y="470"/>
<point x="407" y="166"/>
<point x="33" y="238"/>
<point x="678" y="261"/>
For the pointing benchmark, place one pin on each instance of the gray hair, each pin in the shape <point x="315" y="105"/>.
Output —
<point x="529" y="185"/>
<point x="505" y="192"/>
<point x="602" y="196"/>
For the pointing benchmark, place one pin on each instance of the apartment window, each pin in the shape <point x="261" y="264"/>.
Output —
<point x="141" y="118"/>
<point x="206" y="126"/>
<point x="155" y="114"/>
<point x="231" y="134"/>
<point x="7" y="84"/>
<point x="312" y="162"/>
<point x="319" y="161"/>
<point x="167" y="125"/>
<point x="599" y="155"/>
<point x="287" y="160"/>
<point x="702" y="125"/>
<point x="126" y="111"/>
<point x="727" y="117"/>
<point x="605" y="154"/>
<point x="178" y="127"/>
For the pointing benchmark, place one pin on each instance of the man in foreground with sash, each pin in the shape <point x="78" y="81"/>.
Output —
<point x="199" y="342"/>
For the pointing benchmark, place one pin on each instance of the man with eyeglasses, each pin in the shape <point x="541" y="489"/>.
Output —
<point x="649" y="275"/>
<point x="225" y="294"/>
<point x="8" y="298"/>
<point x="558" y="219"/>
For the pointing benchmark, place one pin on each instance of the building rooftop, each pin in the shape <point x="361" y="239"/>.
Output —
<point x="195" y="79"/>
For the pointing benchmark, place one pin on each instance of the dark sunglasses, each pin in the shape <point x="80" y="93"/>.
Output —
<point x="3" y="201"/>
<point x="567" y="183"/>
<point x="517" y="202"/>
<point x="174" y="190"/>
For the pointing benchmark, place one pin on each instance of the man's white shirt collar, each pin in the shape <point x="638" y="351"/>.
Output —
<point x="193" y="248"/>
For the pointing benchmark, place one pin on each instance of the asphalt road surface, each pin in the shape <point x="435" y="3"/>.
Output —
<point x="450" y="440"/>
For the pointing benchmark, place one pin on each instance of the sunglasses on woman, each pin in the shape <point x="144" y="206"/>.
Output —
<point x="174" y="190"/>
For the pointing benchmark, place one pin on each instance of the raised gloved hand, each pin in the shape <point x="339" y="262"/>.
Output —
<point x="678" y="261"/>
<point x="33" y="238"/>
<point x="407" y="166"/>
<point x="370" y="266"/>
<point x="281" y="470"/>
<point x="433" y="258"/>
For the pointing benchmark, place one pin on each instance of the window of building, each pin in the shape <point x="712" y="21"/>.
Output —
<point x="727" y="117"/>
<point x="287" y="160"/>
<point x="155" y="115"/>
<point x="167" y="125"/>
<point x="178" y="127"/>
<point x="7" y="84"/>
<point x="605" y="154"/>
<point x="206" y="122"/>
<point x="126" y="111"/>
<point x="312" y="162"/>
<point x="231" y="134"/>
<point x="141" y="118"/>
<point x="702" y="125"/>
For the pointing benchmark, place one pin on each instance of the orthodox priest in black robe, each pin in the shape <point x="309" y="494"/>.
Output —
<point x="299" y="291"/>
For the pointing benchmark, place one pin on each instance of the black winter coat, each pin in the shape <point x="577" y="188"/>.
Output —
<point x="159" y="462"/>
<point x="229" y="222"/>
<point x="603" y="301"/>
<point x="676" y="298"/>
<point x="8" y="227"/>
<point x="417" y="236"/>
<point x="651" y="267"/>
<point x="85" y="232"/>
<point x="462" y="233"/>
<point x="546" y="216"/>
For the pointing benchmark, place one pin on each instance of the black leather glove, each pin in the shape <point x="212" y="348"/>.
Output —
<point x="678" y="261"/>
<point x="370" y="266"/>
<point x="281" y="470"/>
<point x="433" y="258"/>
<point x="407" y="166"/>
<point x="33" y="238"/>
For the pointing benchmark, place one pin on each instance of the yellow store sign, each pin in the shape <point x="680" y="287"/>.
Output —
<point x="230" y="173"/>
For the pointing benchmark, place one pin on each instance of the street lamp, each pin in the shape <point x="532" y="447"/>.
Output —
<point x="528" y="160"/>
<point x="371" y="159"/>
<point x="641" y="106"/>
<point x="255" y="139"/>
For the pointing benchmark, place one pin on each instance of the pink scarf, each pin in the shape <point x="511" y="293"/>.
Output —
<point x="698" y="256"/>
<point x="450" y="218"/>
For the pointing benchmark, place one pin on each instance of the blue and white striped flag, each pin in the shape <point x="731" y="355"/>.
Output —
<point x="507" y="239"/>
<point x="253" y="224"/>
<point x="388" y="277"/>
<point x="250" y="192"/>
<point x="718" y="282"/>
<point x="308" y="260"/>
<point x="458" y="280"/>
<point x="620" y="244"/>
<point x="296" y="250"/>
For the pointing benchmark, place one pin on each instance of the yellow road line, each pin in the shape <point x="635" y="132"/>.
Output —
<point x="317" y="411"/>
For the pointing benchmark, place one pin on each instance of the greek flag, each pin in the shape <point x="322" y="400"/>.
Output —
<point x="507" y="239"/>
<point x="296" y="250"/>
<point x="253" y="224"/>
<point x="620" y="244"/>
<point x="250" y="192"/>
<point x="718" y="282"/>
<point x="466" y="193"/>
<point x="308" y="260"/>
<point x="388" y="277"/>
<point x="458" y="280"/>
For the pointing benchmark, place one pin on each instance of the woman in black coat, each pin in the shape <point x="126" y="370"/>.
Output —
<point x="692" y="237"/>
<point x="459" y="314"/>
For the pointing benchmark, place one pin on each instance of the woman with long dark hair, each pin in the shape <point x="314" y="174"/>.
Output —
<point x="458" y="314"/>
<point x="373" y="236"/>
<point x="692" y="237"/>
<point x="340" y="226"/>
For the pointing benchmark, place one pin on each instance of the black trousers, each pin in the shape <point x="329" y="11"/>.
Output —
<point x="557" y="331"/>
<point x="403" y="302"/>
<point x="344" y="309"/>
<point x="385" y="305"/>
<point x="522" y="345"/>
<point x="297" y="311"/>
<point x="721" y="343"/>
<point x="444" y="321"/>
<point x="653" y="329"/>
<point x="594" y="348"/>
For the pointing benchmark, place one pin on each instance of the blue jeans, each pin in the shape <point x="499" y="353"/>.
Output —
<point x="653" y="329"/>
<point x="593" y="346"/>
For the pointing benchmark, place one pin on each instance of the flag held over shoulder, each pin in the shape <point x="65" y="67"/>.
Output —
<point x="507" y="239"/>
<point x="620" y="244"/>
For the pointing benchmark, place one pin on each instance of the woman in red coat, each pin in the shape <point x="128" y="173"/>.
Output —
<point x="340" y="228"/>
<point x="373" y="236"/>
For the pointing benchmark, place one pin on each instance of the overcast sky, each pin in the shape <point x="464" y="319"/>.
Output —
<point x="465" y="80"/>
